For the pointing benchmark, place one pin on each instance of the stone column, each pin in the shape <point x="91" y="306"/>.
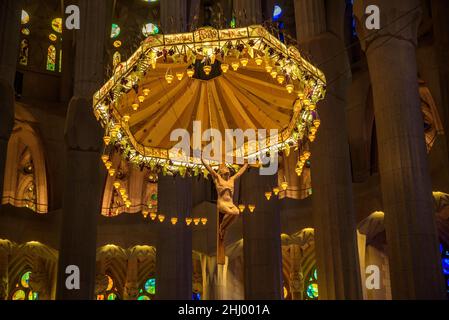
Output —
<point x="173" y="16"/>
<point x="296" y="274"/>
<point x="261" y="238"/>
<point x="4" y="274"/>
<point x="247" y="12"/>
<point x="84" y="175"/>
<point x="415" y="265"/>
<point x="332" y="199"/>
<point x="10" y="13"/>
<point x="174" y="242"/>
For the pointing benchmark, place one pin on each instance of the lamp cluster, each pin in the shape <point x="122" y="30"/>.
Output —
<point x="189" y="221"/>
<point x="251" y="47"/>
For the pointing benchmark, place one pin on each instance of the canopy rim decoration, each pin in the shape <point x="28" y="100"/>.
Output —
<point x="229" y="47"/>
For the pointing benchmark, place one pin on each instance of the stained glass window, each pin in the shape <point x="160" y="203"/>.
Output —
<point x="25" y="17"/>
<point x="23" y="54"/>
<point x="311" y="287"/>
<point x="23" y="290"/>
<point x="60" y="60"/>
<point x="150" y="29"/>
<point x="111" y="291"/>
<point x="56" y="24"/>
<point x="445" y="265"/>
<point x="277" y="12"/>
<point x="25" y="31"/>
<point x="51" y="58"/>
<point x="196" y="296"/>
<point x="115" y="31"/>
<point x="148" y="290"/>
<point x="52" y="37"/>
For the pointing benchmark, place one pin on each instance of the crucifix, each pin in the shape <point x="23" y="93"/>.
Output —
<point x="227" y="211"/>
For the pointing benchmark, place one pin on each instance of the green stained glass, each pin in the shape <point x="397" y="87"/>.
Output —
<point x="112" y="296"/>
<point x="115" y="30"/>
<point x="233" y="22"/>
<point x="143" y="298"/>
<point x="18" y="295"/>
<point x="312" y="291"/>
<point x="315" y="274"/>
<point x="154" y="196"/>
<point x="150" y="286"/>
<point x="25" y="280"/>
<point x="33" y="295"/>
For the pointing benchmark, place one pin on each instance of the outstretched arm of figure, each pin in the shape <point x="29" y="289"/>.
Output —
<point x="211" y="171"/>
<point x="241" y="171"/>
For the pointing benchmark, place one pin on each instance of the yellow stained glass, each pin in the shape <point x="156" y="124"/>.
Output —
<point x="25" y="31"/>
<point x="18" y="295"/>
<point x="56" y="24"/>
<point x="52" y="37"/>
<point x="25" y="17"/>
<point x="110" y="284"/>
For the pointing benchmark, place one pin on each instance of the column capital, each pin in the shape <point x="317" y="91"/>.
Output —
<point x="398" y="20"/>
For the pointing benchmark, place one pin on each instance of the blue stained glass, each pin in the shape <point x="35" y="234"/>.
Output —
<point x="445" y="263"/>
<point x="196" y="296"/>
<point x="277" y="12"/>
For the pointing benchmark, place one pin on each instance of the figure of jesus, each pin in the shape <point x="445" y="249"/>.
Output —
<point x="227" y="210"/>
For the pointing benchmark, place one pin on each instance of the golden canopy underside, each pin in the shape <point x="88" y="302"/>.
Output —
<point x="245" y="99"/>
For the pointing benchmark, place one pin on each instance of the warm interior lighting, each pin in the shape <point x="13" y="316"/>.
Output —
<point x="122" y="191"/>
<point x="251" y="207"/>
<point x="244" y="61"/>
<point x="188" y="221"/>
<point x="280" y="78"/>
<point x="196" y="221"/>
<point x="105" y="158"/>
<point x="179" y="75"/>
<point x="241" y="208"/>
<point x="169" y="78"/>
<point x="268" y="195"/>
<point x="274" y="74"/>
<point x="258" y="60"/>
<point x="128" y="203"/>
<point x="146" y="91"/>
<point x="268" y="68"/>
<point x="135" y="106"/>
<point x="126" y="117"/>
<point x="190" y="72"/>
<point x="161" y="217"/>
<point x="108" y="164"/>
<point x="204" y="221"/>
<point x="290" y="87"/>
<point x="111" y="172"/>
<point x="174" y="220"/>
<point x="153" y="216"/>
<point x="207" y="69"/>
<point x="141" y="98"/>
<point x="145" y="213"/>
<point x="116" y="184"/>
<point x="276" y="191"/>
<point x="284" y="185"/>
<point x="224" y="67"/>
<point x="107" y="139"/>
<point x="235" y="66"/>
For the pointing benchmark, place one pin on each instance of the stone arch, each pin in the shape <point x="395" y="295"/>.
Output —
<point x="38" y="258"/>
<point x="25" y="170"/>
